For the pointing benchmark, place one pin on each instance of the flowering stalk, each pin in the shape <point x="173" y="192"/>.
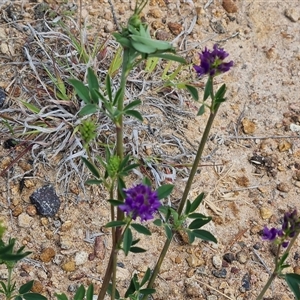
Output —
<point x="290" y="229"/>
<point x="213" y="65"/>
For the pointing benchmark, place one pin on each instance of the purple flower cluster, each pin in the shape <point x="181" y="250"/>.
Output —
<point x="212" y="62"/>
<point x="141" y="202"/>
<point x="290" y="226"/>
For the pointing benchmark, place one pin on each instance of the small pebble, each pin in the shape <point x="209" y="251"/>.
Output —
<point x="69" y="266"/>
<point x="283" y="187"/>
<point x="234" y="270"/>
<point x="217" y="261"/>
<point x="45" y="200"/>
<point x="24" y="220"/>
<point x="47" y="254"/>
<point x="212" y="297"/>
<point x="81" y="258"/>
<point x="265" y="213"/>
<point x="242" y="257"/>
<point x="297" y="270"/>
<point x="37" y="287"/>
<point x="246" y="285"/>
<point x="229" y="257"/>
<point x="292" y="14"/>
<point x="220" y="273"/>
<point x="257" y="246"/>
<point x="229" y="6"/>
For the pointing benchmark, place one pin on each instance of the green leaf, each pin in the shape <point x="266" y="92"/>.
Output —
<point x="88" y="110"/>
<point x="198" y="223"/>
<point x="197" y="202"/>
<point x="168" y="231"/>
<point x="141" y="229"/>
<point x="191" y="236"/>
<point x="14" y="256"/>
<point x="129" y="168"/>
<point x="135" y="114"/>
<point x="115" y="202"/>
<point x="117" y="294"/>
<point x="115" y="224"/>
<point x="34" y="296"/>
<point x="137" y="250"/>
<point x="157" y="222"/>
<point x="81" y="90"/>
<point x="18" y="297"/>
<point x="127" y="241"/>
<point x="121" y="187"/>
<point x="146" y="276"/>
<point x="90" y="292"/>
<point x="196" y="216"/>
<point x="293" y="281"/>
<point x="80" y="293"/>
<point x="193" y="91"/>
<point x="93" y="181"/>
<point x="132" y="287"/>
<point x="187" y="207"/>
<point x="147" y="291"/>
<point x="91" y="167"/>
<point x="283" y="258"/>
<point x="25" y="288"/>
<point x="31" y="107"/>
<point x="92" y="80"/>
<point x="146" y="181"/>
<point x="4" y="287"/>
<point x="201" y="110"/>
<point x="135" y="242"/>
<point x="168" y="57"/>
<point x="61" y="297"/>
<point x="221" y="92"/>
<point x="132" y="104"/>
<point x="117" y="97"/>
<point x="108" y="88"/>
<point x="204" y="235"/>
<point x="208" y="90"/>
<point x="164" y="191"/>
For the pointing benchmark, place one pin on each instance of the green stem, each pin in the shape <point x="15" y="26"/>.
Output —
<point x="111" y="268"/>
<point x="276" y="271"/>
<point x="272" y="277"/>
<point x="197" y="160"/>
<point x="185" y="194"/>
<point x="114" y="275"/>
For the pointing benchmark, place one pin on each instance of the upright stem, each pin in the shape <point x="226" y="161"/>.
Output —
<point x="111" y="267"/>
<point x="185" y="195"/>
<point x="276" y="271"/>
<point x="272" y="277"/>
<point x="197" y="160"/>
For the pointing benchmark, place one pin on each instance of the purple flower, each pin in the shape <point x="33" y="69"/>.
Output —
<point x="269" y="234"/>
<point x="285" y="244"/>
<point x="212" y="62"/>
<point x="141" y="202"/>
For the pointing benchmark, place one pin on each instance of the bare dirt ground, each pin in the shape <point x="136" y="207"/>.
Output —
<point x="251" y="165"/>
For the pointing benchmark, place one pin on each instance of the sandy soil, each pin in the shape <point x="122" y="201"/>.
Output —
<point x="251" y="165"/>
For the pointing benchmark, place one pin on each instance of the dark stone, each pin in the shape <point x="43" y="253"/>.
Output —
<point x="121" y="265"/>
<point x="234" y="270"/>
<point x="220" y="273"/>
<point x="246" y="282"/>
<point x="229" y="257"/>
<point x="257" y="246"/>
<point x="2" y="97"/>
<point x="45" y="200"/>
<point x="10" y="143"/>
